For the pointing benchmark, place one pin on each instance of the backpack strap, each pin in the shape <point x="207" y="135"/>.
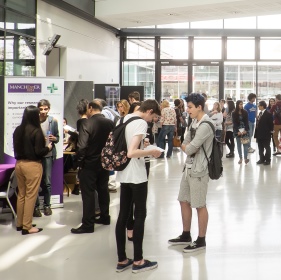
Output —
<point x="213" y="128"/>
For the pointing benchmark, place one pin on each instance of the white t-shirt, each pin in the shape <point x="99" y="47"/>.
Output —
<point x="135" y="171"/>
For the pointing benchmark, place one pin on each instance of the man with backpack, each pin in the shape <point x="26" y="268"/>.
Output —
<point x="276" y="111"/>
<point x="134" y="187"/>
<point x="194" y="182"/>
<point x="93" y="134"/>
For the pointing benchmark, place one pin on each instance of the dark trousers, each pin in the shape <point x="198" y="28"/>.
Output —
<point x="264" y="144"/>
<point x="138" y="194"/>
<point x="229" y="141"/>
<point x="91" y="181"/>
<point x="47" y="163"/>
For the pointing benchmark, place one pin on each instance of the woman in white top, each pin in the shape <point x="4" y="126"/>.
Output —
<point x="217" y="118"/>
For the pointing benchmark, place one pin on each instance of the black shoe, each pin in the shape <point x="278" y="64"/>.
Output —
<point x="230" y="155"/>
<point x="20" y="228"/>
<point x="266" y="163"/>
<point x="76" y="190"/>
<point x="103" y="220"/>
<point x="260" y="162"/>
<point x="193" y="247"/>
<point x="276" y="153"/>
<point x="180" y="241"/>
<point x="37" y="212"/>
<point x="82" y="229"/>
<point x="47" y="211"/>
<point x="25" y="231"/>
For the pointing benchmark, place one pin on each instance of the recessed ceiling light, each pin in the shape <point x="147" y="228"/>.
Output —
<point x="170" y="14"/>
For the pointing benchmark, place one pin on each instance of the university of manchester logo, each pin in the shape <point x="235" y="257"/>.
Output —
<point x="24" y="88"/>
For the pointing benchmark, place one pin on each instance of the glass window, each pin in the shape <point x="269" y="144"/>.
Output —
<point x="9" y="50"/>
<point x="270" y="49"/>
<point x="207" y="24"/>
<point x="239" y="80"/>
<point x="269" y="83"/>
<point x="27" y="48"/>
<point x="240" y="48"/>
<point x="269" y="22"/>
<point x="138" y="73"/>
<point x="207" y="48"/>
<point x="24" y="6"/>
<point x="2" y="20"/>
<point x="174" y="49"/>
<point x="174" y="25"/>
<point x="140" y="49"/>
<point x="240" y="23"/>
<point x="20" y="23"/>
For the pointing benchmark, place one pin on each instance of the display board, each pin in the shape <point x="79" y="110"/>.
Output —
<point x="19" y="92"/>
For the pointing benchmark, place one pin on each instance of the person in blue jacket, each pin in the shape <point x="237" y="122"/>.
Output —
<point x="251" y="108"/>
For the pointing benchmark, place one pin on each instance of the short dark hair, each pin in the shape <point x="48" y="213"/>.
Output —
<point x="44" y="102"/>
<point x="251" y="96"/>
<point x="204" y="95"/>
<point x="222" y="100"/>
<point x="133" y="106"/>
<point x="95" y="105"/>
<point x="263" y="104"/>
<point x="197" y="99"/>
<point x="82" y="106"/>
<point x="135" y="95"/>
<point x="150" y="104"/>
<point x="278" y="96"/>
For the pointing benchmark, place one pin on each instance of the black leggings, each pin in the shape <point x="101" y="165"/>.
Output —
<point x="138" y="194"/>
<point x="229" y="141"/>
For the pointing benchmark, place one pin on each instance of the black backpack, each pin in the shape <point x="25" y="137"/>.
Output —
<point x="215" y="167"/>
<point x="114" y="153"/>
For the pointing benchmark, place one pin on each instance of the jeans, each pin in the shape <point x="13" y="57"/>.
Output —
<point x="136" y="193"/>
<point x="166" y="130"/>
<point x="229" y="141"/>
<point x="218" y="134"/>
<point x="239" y="149"/>
<point x="252" y="127"/>
<point x="46" y="186"/>
<point x="90" y="182"/>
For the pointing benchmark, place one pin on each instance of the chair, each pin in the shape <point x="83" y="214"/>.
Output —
<point x="11" y="189"/>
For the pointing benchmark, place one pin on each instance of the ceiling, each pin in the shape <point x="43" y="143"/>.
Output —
<point x="133" y="13"/>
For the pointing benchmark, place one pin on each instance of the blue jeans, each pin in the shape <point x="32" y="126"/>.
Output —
<point x="218" y="134"/>
<point x="47" y="164"/>
<point x="166" y="130"/>
<point x="239" y="149"/>
<point x="252" y="127"/>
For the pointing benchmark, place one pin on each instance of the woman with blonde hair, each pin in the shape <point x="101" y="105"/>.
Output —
<point x="217" y="117"/>
<point x="123" y="107"/>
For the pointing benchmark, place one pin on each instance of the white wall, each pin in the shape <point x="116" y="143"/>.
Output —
<point x="88" y="53"/>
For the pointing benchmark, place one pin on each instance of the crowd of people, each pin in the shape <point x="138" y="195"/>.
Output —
<point x="34" y="146"/>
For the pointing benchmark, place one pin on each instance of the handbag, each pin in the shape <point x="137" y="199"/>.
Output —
<point x="176" y="140"/>
<point x="245" y="140"/>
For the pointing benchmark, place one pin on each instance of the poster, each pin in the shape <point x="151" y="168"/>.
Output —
<point x="112" y="95"/>
<point x="21" y="92"/>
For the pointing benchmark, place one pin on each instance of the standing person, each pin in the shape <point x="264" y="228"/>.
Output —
<point x="180" y="121"/>
<point x="168" y="122"/>
<point x="29" y="149"/>
<point x="134" y="97"/>
<point x="93" y="134"/>
<point x="50" y="129"/>
<point x="134" y="188"/>
<point x="241" y="130"/>
<point x="194" y="182"/>
<point x="276" y="111"/>
<point x="270" y="104"/>
<point x="184" y="119"/>
<point x="251" y="109"/>
<point x="263" y="131"/>
<point x="123" y="107"/>
<point x="229" y="139"/>
<point x="217" y="118"/>
<point x="206" y="109"/>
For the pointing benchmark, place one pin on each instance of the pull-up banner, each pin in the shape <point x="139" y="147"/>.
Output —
<point x="21" y="92"/>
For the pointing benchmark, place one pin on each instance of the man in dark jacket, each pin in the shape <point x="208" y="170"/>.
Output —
<point x="276" y="111"/>
<point x="263" y="132"/>
<point x="93" y="134"/>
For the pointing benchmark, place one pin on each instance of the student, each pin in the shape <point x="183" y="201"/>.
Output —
<point x="194" y="182"/>
<point x="49" y="127"/>
<point x="276" y="111"/>
<point x="134" y="97"/>
<point x="134" y="188"/>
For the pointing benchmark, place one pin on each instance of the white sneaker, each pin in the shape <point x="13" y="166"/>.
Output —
<point x="251" y="150"/>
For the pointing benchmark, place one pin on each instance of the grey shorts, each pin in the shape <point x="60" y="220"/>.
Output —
<point x="193" y="189"/>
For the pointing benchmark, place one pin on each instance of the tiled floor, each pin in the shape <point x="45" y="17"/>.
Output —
<point x="243" y="238"/>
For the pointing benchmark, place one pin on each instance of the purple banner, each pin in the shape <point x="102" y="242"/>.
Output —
<point x="22" y="88"/>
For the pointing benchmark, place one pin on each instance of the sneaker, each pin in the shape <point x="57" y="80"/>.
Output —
<point x="240" y="161"/>
<point x="251" y="150"/>
<point x="247" y="161"/>
<point x="122" y="267"/>
<point x="37" y="212"/>
<point x="180" y="241"/>
<point x="47" y="211"/>
<point x="148" y="265"/>
<point x="193" y="247"/>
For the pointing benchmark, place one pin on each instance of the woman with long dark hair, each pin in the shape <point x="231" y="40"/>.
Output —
<point x="241" y="130"/>
<point x="29" y="148"/>
<point x="229" y="139"/>
<point x="270" y="104"/>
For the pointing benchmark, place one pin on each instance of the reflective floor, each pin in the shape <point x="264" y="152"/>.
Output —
<point x="243" y="238"/>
